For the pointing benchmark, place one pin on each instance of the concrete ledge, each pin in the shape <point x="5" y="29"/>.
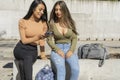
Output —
<point x="89" y="69"/>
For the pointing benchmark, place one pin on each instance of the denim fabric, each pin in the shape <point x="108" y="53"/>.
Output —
<point x="59" y="63"/>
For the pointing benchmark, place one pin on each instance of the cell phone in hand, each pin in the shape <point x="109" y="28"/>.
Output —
<point x="48" y="33"/>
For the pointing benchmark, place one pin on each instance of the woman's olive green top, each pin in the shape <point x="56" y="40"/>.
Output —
<point x="58" y="38"/>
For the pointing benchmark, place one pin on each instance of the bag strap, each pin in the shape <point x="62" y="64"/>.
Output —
<point x="101" y="62"/>
<point x="82" y="50"/>
<point x="89" y="49"/>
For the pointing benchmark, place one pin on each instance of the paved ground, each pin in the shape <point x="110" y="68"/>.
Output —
<point x="6" y="58"/>
<point x="6" y="54"/>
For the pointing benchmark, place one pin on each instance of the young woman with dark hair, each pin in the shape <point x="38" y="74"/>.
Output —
<point x="32" y="28"/>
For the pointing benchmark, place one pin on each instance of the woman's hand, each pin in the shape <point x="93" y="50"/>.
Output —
<point x="61" y="53"/>
<point x="41" y="36"/>
<point x="43" y="56"/>
<point x="69" y="54"/>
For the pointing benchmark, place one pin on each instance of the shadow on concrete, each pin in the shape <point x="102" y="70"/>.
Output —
<point x="8" y="65"/>
<point x="39" y="57"/>
<point x="115" y="56"/>
<point x="7" y="45"/>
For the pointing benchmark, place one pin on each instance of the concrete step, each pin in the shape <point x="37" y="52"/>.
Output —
<point x="89" y="69"/>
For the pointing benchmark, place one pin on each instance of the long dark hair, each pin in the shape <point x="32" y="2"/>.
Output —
<point x="66" y="19"/>
<point x="34" y="4"/>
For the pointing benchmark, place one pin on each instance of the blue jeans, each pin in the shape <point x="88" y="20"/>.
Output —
<point x="59" y="63"/>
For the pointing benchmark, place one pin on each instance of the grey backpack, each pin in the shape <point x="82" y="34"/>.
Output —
<point x="93" y="51"/>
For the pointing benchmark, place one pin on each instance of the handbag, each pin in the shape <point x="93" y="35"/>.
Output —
<point x="45" y="73"/>
<point x="93" y="51"/>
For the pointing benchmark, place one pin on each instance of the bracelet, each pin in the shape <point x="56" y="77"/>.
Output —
<point x="42" y="48"/>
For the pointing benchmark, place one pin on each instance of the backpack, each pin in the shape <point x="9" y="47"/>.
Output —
<point x="45" y="73"/>
<point x="93" y="51"/>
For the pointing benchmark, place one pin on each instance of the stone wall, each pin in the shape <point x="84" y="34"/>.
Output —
<point x="95" y="20"/>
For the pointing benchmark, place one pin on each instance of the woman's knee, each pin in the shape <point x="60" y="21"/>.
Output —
<point x="75" y="70"/>
<point x="28" y="59"/>
<point x="60" y="66"/>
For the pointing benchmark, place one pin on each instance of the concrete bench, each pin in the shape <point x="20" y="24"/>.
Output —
<point x="89" y="69"/>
